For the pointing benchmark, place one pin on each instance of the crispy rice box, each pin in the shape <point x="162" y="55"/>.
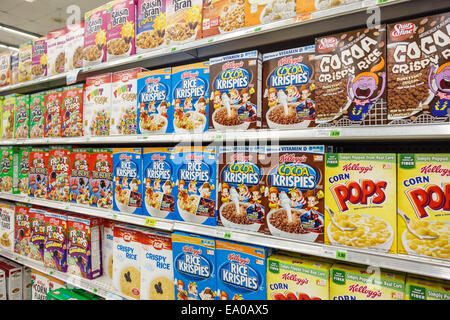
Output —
<point x="262" y="12"/>
<point x="150" y="25"/>
<point x="360" y="189"/>
<point x="426" y="289"/>
<point x="38" y="172"/>
<point x="350" y="76"/>
<point x="22" y="117"/>
<point x="419" y="70"/>
<point x="95" y="28"/>
<point x="52" y="112"/>
<point x="39" y="58"/>
<point x="222" y="16"/>
<point x="8" y="116"/>
<point x="5" y="69"/>
<point x="21" y="170"/>
<point x="37" y="234"/>
<point x="72" y="110"/>
<point x="80" y="175"/>
<point x="7" y="216"/>
<point x="423" y="193"/>
<point x="289" y="90"/>
<point x="56" y="51"/>
<point x="74" y="45"/>
<point x="235" y="91"/>
<point x="101" y="181"/>
<point x="58" y="187"/>
<point x="194" y="265"/>
<point x="97" y="105"/>
<point x="7" y="169"/>
<point x="183" y="21"/>
<point x="55" y="249"/>
<point x="37" y="112"/>
<point x="22" y="229"/>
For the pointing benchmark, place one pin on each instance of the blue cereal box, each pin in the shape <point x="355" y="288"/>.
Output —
<point x="241" y="271"/>
<point x="127" y="171"/>
<point x="195" y="184"/>
<point x="194" y="264"/>
<point x="190" y="94"/>
<point x="154" y="98"/>
<point x="158" y="176"/>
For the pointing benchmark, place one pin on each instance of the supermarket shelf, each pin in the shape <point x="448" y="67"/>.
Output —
<point x="413" y="264"/>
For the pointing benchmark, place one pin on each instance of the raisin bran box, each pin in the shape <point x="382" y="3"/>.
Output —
<point x="37" y="113"/>
<point x="7" y="169"/>
<point x="52" y="112"/>
<point x="55" y="252"/>
<point x="101" y="181"/>
<point x="21" y="172"/>
<point x="183" y="21"/>
<point x="97" y="105"/>
<point x="22" y="229"/>
<point x="80" y="175"/>
<point x="84" y="243"/>
<point x="37" y="233"/>
<point x="150" y="25"/>
<point x="418" y="70"/>
<point x="5" y="69"/>
<point x="350" y="76"/>
<point x="194" y="265"/>
<point x="235" y="91"/>
<point x="158" y="186"/>
<point x="22" y="117"/>
<point x="39" y="58"/>
<point x="72" y="111"/>
<point x="7" y="224"/>
<point x="8" y="116"/>
<point x="190" y="94"/>
<point x="95" y="28"/>
<point x="127" y="164"/>
<point x="59" y="173"/>
<point x="289" y="90"/>
<point x="38" y="172"/>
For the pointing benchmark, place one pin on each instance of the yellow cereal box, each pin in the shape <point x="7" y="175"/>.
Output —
<point x="426" y="289"/>
<point x="351" y="282"/>
<point x="183" y="21"/>
<point x="267" y="11"/>
<point x="360" y="193"/>
<point x="424" y="204"/>
<point x="297" y="278"/>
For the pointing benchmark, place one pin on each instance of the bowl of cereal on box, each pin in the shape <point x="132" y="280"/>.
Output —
<point x="189" y="122"/>
<point x="232" y="219"/>
<point x="117" y="48"/>
<point x="187" y="208"/>
<point x="232" y="18"/>
<point x="278" y="10"/>
<point x="122" y="199"/>
<point x="152" y="123"/>
<point x="92" y="55"/>
<point x="153" y="205"/>
<point x="278" y="118"/>
<point x="224" y="120"/>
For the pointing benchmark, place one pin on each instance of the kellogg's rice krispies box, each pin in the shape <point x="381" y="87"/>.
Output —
<point x="8" y="119"/>
<point x="190" y="94"/>
<point x="426" y="289"/>
<point x="37" y="115"/>
<point x="241" y="271"/>
<point x="183" y="21"/>
<point x="7" y="224"/>
<point x="38" y="172"/>
<point x="80" y="175"/>
<point x="95" y="28"/>
<point x="22" y="117"/>
<point x="22" y="229"/>
<point x="262" y="12"/>
<point x="52" y="112"/>
<point x="222" y="16"/>
<point x="422" y="198"/>
<point x="150" y="25"/>
<point x="97" y="105"/>
<point x="72" y="111"/>
<point x="101" y="181"/>
<point x="39" y="58"/>
<point x="194" y="265"/>
<point x="360" y="192"/>
<point x="7" y="169"/>
<point x="37" y="233"/>
<point x="55" y="252"/>
<point x="154" y="102"/>
<point x="158" y="186"/>
<point x="127" y="164"/>
<point x="59" y="166"/>
<point x="21" y="162"/>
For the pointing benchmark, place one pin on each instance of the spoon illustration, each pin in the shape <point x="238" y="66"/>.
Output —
<point x="335" y="223"/>
<point x="408" y="222"/>
<point x="235" y="199"/>
<point x="226" y="102"/>
<point x="286" y="204"/>
<point x="283" y="99"/>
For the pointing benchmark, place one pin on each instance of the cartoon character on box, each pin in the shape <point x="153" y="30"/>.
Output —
<point x="38" y="171"/>
<point x="101" y="182"/>
<point x="59" y="175"/>
<point x="441" y="76"/>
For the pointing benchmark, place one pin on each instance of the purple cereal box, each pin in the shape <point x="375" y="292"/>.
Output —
<point x="95" y="24"/>
<point x="39" y="58"/>
<point x="55" y="249"/>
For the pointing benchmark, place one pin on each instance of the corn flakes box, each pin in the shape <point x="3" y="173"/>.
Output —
<point x="52" y="112"/>
<point x="97" y="105"/>
<point x="22" y="117"/>
<point x="222" y="16"/>
<point x="261" y="12"/>
<point x="25" y="56"/>
<point x="127" y="184"/>
<point x="72" y="110"/>
<point x="95" y="28"/>
<point x="38" y="172"/>
<point x="422" y="200"/>
<point x="8" y="116"/>
<point x="195" y="174"/>
<point x="59" y="173"/>
<point x="7" y="224"/>
<point x="101" y="181"/>
<point x="150" y="25"/>
<point x="349" y="282"/>
<point x="39" y="58"/>
<point x="194" y="266"/>
<point x="241" y="271"/>
<point x="22" y="229"/>
<point x="190" y="94"/>
<point x="426" y="289"/>
<point x="183" y="21"/>
<point x="5" y="69"/>
<point x="37" y="234"/>
<point x="80" y="175"/>
<point x="7" y="169"/>
<point x="37" y="113"/>
<point x="297" y="278"/>
<point x="158" y="186"/>
<point x="55" y="248"/>
<point x="21" y="170"/>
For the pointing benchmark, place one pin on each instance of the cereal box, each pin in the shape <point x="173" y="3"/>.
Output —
<point x="425" y="289"/>
<point x="55" y="250"/>
<point x="39" y="58"/>
<point x="158" y="185"/>
<point x="37" y="112"/>
<point x="14" y="68"/>
<point x="195" y="174"/>
<point x="97" y="105"/>
<point x="101" y="181"/>
<point x="127" y="261"/>
<point x="127" y="164"/>
<point x="423" y="207"/>
<point x="222" y="16"/>
<point x="13" y="273"/>
<point x="42" y="284"/>
<point x="95" y="25"/>
<point x="154" y="101"/>
<point x="80" y="175"/>
<point x="418" y="70"/>
<point x="38" y="172"/>
<point x="350" y="76"/>
<point x="7" y="169"/>
<point x="294" y="179"/>
<point x="52" y="112"/>
<point x="72" y="110"/>
<point x="190" y="94"/>
<point x="297" y="278"/>
<point x="59" y="166"/>
<point x="360" y="195"/>
<point x="289" y="90"/>
<point x="235" y="94"/>
<point x="183" y="21"/>
<point x="262" y="12"/>
<point x="361" y="283"/>
<point x="21" y="161"/>
<point x="56" y="51"/>
<point x="241" y="271"/>
<point x="240" y="185"/>
<point x="7" y="216"/>
<point x="26" y="283"/>
<point x="150" y="24"/>
<point x="2" y="285"/>
<point x="194" y="265"/>
<point x="121" y="15"/>
<point x="124" y="102"/>
<point x="5" y="69"/>
<point x="22" y="117"/>
<point x="8" y="119"/>
<point x="25" y="56"/>
<point x="107" y="248"/>
<point x="22" y="229"/>
<point x="84" y="254"/>
<point x="74" y="45"/>
<point x="37" y="233"/>
<point x="305" y="6"/>
<point x="1" y="107"/>
<point x="157" y="266"/>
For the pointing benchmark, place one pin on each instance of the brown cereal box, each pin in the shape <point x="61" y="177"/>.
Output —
<point x="56" y="51"/>
<point x="5" y="66"/>
<point x="222" y="16"/>
<point x="183" y="21"/>
<point x="262" y="12"/>
<point x="25" y="56"/>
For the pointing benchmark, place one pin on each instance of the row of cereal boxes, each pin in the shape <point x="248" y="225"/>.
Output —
<point x="122" y="28"/>
<point x="144" y="264"/>
<point x="388" y="74"/>
<point x="388" y="202"/>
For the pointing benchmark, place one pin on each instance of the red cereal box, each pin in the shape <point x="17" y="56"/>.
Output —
<point x="55" y="248"/>
<point x="101" y="182"/>
<point x="52" y="113"/>
<point x="38" y="170"/>
<point x="79" y="175"/>
<point x="58" y="173"/>
<point x="22" y="231"/>
<point x="72" y="111"/>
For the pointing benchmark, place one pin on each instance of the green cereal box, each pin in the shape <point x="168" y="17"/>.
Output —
<point x="8" y="116"/>
<point x="20" y="170"/>
<point x="22" y="117"/>
<point x="37" y="110"/>
<point x="1" y="107"/>
<point x="64" y="294"/>
<point x="6" y="167"/>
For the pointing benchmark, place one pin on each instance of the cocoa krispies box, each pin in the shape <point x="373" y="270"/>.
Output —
<point x="350" y="78"/>
<point x="101" y="180"/>
<point x="419" y="70"/>
<point x="38" y="172"/>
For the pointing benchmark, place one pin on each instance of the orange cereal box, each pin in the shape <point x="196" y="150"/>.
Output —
<point x="184" y="21"/>
<point x="222" y="16"/>
<point x="267" y="11"/>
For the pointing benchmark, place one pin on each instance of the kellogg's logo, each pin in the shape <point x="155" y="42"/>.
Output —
<point x="327" y="45"/>
<point x="402" y="31"/>
<point x="357" y="167"/>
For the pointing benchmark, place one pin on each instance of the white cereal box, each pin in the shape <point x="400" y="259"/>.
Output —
<point x="107" y="248"/>
<point x="97" y="105"/>
<point x="56" y="51"/>
<point x="7" y="217"/>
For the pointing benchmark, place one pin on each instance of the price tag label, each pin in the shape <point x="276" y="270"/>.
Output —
<point x="72" y="76"/>
<point x="227" y="235"/>
<point x="341" y="255"/>
<point x="211" y="40"/>
<point x="173" y="49"/>
<point x="257" y="29"/>
<point x="139" y="57"/>
<point x="335" y="133"/>
<point x="95" y="290"/>
<point x="302" y="17"/>
<point x="218" y="136"/>
<point x="150" y="222"/>
<point x="382" y="1"/>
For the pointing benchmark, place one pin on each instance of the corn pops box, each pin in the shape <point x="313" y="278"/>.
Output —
<point x="426" y="289"/>
<point x="52" y="112"/>
<point x="7" y="169"/>
<point x="59" y="173"/>
<point x="360" y="192"/>
<point x="55" y="252"/>
<point x="360" y="283"/>
<point x="22" y="117"/>
<point x="38" y="172"/>
<point x="37" y="233"/>
<point x="101" y="181"/>
<point x="37" y="112"/>
<point x="7" y="224"/>
<point x="21" y="170"/>
<point x="22" y="230"/>
<point x="80" y="175"/>
<point x="72" y="111"/>
<point x="8" y="118"/>
<point x="297" y="278"/>
<point x="423" y="193"/>
<point x="97" y="105"/>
